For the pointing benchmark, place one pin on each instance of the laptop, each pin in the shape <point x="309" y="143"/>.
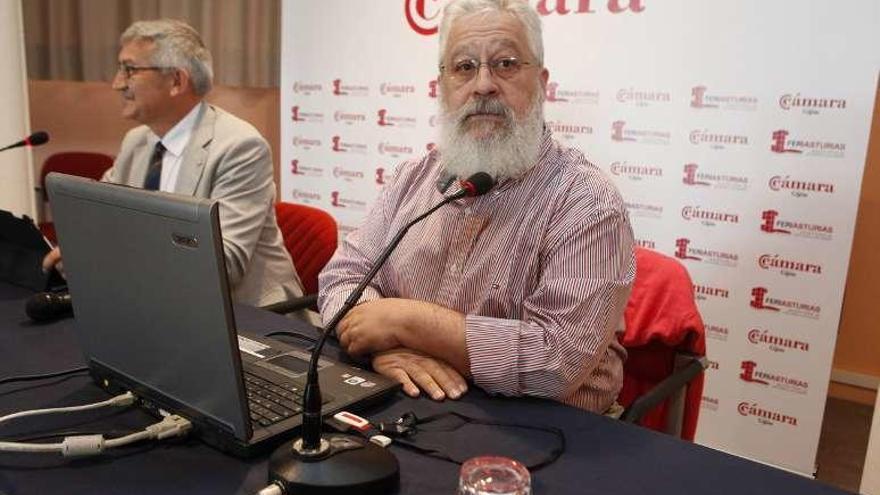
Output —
<point x="147" y="277"/>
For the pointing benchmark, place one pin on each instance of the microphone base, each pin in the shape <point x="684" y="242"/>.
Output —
<point x="349" y="465"/>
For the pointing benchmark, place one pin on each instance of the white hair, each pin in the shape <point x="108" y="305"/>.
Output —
<point x="517" y="8"/>
<point x="177" y="46"/>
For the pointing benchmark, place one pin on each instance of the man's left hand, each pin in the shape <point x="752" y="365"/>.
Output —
<point x="373" y="326"/>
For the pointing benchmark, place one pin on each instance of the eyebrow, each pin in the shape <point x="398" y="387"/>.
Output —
<point x="491" y="46"/>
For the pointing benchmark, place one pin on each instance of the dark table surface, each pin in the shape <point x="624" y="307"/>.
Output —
<point x="602" y="456"/>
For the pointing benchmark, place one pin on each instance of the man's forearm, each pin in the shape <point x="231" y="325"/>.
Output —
<point x="437" y="331"/>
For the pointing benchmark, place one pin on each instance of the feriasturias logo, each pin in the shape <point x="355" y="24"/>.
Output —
<point x="340" y="200"/>
<point x="385" y="119"/>
<point x="346" y="88"/>
<point x="694" y="177"/>
<point x="771" y="223"/>
<point x="298" y="168"/>
<point x="702" y="98"/>
<point x="751" y="374"/>
<point x="423" y="16"/>
<point x="297" y="114"/>
<point x="339" y="145"/>
<point x="684" y="251"/>
<point x="559" y="93"/>
<point x="762" y="301"/>
<point x="622" y="133"/>
<point x="781" y="143"/>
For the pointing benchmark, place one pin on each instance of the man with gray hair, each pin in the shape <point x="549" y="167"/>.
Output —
<point x="187" y="146"/>
<point x="521" y="290"/>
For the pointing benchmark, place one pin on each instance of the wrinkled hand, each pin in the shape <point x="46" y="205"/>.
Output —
<point x="53" y="260"/>
<point x="417" y="371"/>
<point x="373" y="326"/>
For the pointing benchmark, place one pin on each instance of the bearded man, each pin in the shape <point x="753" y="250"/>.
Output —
<point x="519" y="291"/>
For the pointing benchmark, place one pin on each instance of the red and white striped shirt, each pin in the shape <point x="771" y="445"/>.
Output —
<point x="541" y="266"/>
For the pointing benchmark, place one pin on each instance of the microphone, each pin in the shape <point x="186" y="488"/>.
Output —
<point x="313" y="464"/>
<point x="49" y="306"/>
<point x="35" y="139"/>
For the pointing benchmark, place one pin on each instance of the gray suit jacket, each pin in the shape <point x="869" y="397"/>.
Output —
<point x="227" y="160"/>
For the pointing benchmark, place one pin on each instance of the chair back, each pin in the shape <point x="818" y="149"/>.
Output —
<point x="661" y="322"/>
<point x="80" y="163"/>
<point x="310" y="236"/>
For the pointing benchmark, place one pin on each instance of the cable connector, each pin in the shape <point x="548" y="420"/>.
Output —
<point x="170" y="426"/>
<point x="122" y="400"/>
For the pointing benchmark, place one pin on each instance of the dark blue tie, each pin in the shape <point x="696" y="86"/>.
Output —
<point x="154" y="171"/>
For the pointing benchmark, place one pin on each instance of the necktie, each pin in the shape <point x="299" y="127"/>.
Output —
<point x="154" y="170"/>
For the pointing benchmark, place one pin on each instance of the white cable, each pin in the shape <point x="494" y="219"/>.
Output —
<point x="122" y="400"/>
<point x="83" y="445"/>
<point x="272" y="489"/>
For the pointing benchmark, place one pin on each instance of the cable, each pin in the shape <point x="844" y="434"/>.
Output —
<point x="122" y="400"/>
<point x="86" y="445"/>
<point x="28" y="378"/>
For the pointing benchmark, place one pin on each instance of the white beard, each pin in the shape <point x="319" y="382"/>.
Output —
<point x="507" y="153"/>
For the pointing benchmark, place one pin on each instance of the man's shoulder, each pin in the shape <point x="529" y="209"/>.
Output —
<point x="583" y="181"/>
<point x="136" y="135"/>
<point x="228" y="125"/>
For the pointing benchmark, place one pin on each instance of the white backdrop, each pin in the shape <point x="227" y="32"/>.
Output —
<point x="736" y="131"/>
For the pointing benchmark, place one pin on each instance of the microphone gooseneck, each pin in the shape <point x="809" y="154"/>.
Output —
<point x="339" y="463"/>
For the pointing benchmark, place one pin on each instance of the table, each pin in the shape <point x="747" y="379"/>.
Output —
<point x="603" y="456"/>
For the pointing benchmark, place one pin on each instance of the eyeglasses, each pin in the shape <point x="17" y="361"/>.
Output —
<point x="464" y="70"/>
<point x="128" y="70"/>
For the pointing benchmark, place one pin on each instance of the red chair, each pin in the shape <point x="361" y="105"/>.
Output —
<point x="81" y="163"/>
<point x="310" y="236"/>
<point x="666" y="346"/>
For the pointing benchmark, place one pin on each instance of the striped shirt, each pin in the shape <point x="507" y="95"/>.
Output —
<point x="541" y="267"/>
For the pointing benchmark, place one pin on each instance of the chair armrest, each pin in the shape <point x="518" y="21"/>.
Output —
<point x="663" y="390"/>
<point x="309" y="301"/>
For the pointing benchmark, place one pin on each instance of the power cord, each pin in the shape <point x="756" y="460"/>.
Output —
<point x="29" y="378"/>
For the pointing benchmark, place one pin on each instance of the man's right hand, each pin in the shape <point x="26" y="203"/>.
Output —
<point x="418" y="371"/>
<point x="53" y="260"/>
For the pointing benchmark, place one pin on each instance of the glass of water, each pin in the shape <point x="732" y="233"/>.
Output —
<point x="489" y="475"/>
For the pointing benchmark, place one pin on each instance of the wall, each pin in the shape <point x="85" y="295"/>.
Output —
<point x="85" y="116"/>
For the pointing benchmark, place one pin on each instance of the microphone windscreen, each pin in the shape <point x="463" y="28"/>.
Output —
<point x="478" y="184"/>
<point x="48" y="306"/>
<point x="38" y="138"/>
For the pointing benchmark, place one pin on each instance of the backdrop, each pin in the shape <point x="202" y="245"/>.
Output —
<point x="736" y="132"/>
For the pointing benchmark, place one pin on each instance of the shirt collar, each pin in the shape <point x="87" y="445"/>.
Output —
<point x="176" y="139"/>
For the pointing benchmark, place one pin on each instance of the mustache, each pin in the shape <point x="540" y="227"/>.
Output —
<point x="483" y="106"/>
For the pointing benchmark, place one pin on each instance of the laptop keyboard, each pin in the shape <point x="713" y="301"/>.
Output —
<point x="270" y="403"/>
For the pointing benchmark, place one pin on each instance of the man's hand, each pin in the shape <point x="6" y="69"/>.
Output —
<point x="53" y="260"/>
<point x="417" y="371"/>
<point x="374" y="326"/>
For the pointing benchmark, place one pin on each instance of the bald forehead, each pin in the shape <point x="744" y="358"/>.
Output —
<point x="486" y="34"/>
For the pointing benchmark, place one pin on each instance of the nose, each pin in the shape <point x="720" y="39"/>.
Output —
<point x="119" y="83"/>
<point x="485" y="83"/>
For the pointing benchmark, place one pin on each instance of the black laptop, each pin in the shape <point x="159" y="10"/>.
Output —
<point x="146" y="272"/>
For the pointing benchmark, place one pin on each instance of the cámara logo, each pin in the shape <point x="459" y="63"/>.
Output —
<point x="799" y="188"/>
<point x="787" y="267"/>
<point x="775" y="343"/>
<point x="765" y="416"/>
<point x="307" y="88"/>
<point x="709" y="218"/>
<point x="717" y="140"/>
<point x="636" y="171"/>
<point x="810" y="105"/>
<point x="305" y="196"/>
<point x="642" y="98"/>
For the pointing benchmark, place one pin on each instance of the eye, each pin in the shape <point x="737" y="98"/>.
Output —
<point x="464" y="67"/>
<point x="506" y="65"/>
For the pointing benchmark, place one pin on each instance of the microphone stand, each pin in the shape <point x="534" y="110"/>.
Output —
<point x="337" y="463"/>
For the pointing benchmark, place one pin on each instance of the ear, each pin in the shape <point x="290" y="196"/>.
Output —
<point x="545" y="76"/>
<point x="181" y="83"/>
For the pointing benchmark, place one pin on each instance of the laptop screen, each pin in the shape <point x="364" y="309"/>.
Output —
<point x="148" y="282"/>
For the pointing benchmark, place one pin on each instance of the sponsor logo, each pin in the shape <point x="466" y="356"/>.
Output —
<point x="298" y="115"/>
<point x="712" y="365"/>
<point x="704" y="292"/>
<point x="557" y="94"/>
<point x="565" y="7"/>
<point x="702" y="98"/>
<point x="569" y="131"/>
<point x="642" y="98"/>
<point x="396" y="90"/>
<point x="307" y="88"/>
<point x="694" y="177"/>
<point x="781" y="143"/>
<point x="762" y="302"/>
<point x="423" y="16"/>
<point x="645" y="243"/>
<point x="787" y="267"/>
<point x="621" y="133"/>
<point x="750" y="373"/>
<point x="772" y="224"/>
<point x="341" y="88"/>
<point x="434" y="120"/>
<point x="716" y="140"/>
<point x="340" y="146"/>
<point x="386" y="148"/>
<point x="636" y="171"/>
<point x="810" y="105"/>
<point x="306" y="143"/>
<point x="301" y="196"/>
<point x="644" y="210"/>
<point x="386" y="119"/>
<point x="798" y="188"/>
<point x="765" y="416"/>
<point x="347" y="174"/>
<point x="432" y="88"/>
<point x="710" y="403"/>
<point x="383" y="176"/>
<point x="709" y="218"/>
<point x="349" y="118"/>
<point x="774" y="342"/>
<point x="717" y="332"/>
<point x="297" y="168"/>
<point x="339" y="200"/>
<point x="684" y="251"/>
